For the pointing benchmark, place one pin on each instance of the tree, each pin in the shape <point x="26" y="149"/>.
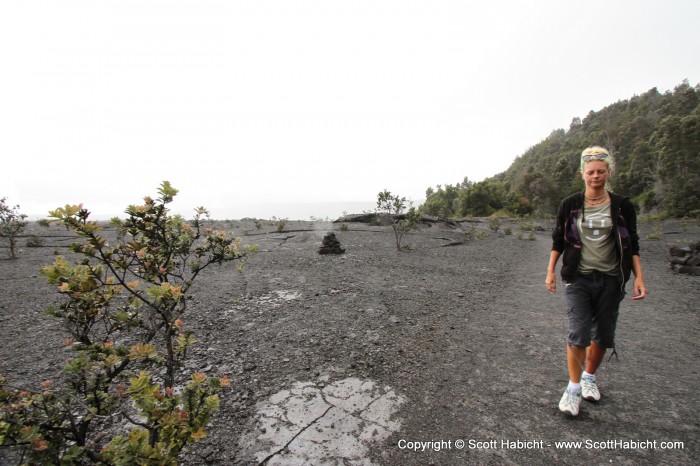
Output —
<point x="12" y="223"/>
<point x="441" y="203"/>
<point x="654" y="138"/>
<point x="123" y="306"/>
<point x="482" y="199"/>
<point x="677" y="143"/>
<point x="402" y="222"/>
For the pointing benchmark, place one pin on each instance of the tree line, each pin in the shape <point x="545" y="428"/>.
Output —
<point x="655" y="138"/>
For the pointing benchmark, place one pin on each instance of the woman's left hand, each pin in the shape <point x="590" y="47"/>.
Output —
<point x="639" y="289"/>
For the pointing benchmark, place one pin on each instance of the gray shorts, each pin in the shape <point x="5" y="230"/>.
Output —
<point x="593" y="304"/>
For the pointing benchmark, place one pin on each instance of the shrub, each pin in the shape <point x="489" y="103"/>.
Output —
<point x="402" y="223"/>
<point x="482" y="235"/>
<point x="494" y="224"/>
<point x="528" y="225"/>
<point x="281" y="224"/>
<point x="12" y="223"/>
<point x="343" y="226"/>
<point x="508" y="230"/>
<point x="35" y="241"/>
<point x="123" y="306"/>
<point x="470" y="233"/>
<point x="44" y="222"/>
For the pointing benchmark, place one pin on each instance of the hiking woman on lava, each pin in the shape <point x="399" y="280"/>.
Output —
<point x="596" y="234"/>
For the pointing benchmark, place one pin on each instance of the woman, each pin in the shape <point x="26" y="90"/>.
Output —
<point x="596" y="234"/>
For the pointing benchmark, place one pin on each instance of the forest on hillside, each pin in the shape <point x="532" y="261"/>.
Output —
<point x="654" y="137"/>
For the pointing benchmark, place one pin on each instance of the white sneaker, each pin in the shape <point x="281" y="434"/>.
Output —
<point x="589" y="389"/>
<point x="570" y="403"/>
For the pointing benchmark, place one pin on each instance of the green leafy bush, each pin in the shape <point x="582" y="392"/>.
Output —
<point x="123" y="306"/>
<point x="35" y="241"/>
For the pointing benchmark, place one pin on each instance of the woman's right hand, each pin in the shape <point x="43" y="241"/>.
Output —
<point x="551" y="282"/>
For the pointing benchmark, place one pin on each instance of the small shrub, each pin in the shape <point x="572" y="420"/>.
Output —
<point x="44" y="222"/>
<point x="343" y="226"/>
<point x="528" y="225"/>
<point x="281" y="223"/>
<point x="402" y="223"/>
<point x="508" y="230"/>
<point x="494" y="224"/>
<point x="258" y="224"/>
<point x="520" y="235"/>
<point x="12" y="223"/>
<point x="482" y="235"/>
<point x="470" y="232"/>
<point x="531" y="236"/>
<point x="35" y="241"/>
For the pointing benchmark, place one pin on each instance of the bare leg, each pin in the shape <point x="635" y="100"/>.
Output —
<point x="594" y="357"/>
<point x="575" y="358"/>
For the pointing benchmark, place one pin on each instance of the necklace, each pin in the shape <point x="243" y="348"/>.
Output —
<point x="595" y="198"/>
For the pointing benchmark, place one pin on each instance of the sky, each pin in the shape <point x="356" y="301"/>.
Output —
<point x="307" y="108"/>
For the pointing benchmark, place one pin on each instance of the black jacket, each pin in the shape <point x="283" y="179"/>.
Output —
<point x="566" y="239"/>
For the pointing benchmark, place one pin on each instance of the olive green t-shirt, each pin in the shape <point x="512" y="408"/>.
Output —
<point x="598" y="251"/>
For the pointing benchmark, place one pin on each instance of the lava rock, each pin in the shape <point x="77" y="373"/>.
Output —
<point x="330" y="245"/>
<point x="685" y="259"/>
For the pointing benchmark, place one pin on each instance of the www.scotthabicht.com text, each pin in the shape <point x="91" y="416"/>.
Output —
<point x="519" y="444"/>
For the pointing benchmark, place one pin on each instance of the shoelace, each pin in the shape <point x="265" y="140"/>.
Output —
<point x="589" y="384"/>
<point x="570" y="400"/>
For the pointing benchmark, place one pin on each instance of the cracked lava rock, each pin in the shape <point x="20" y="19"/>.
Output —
<point x="314" y="423"/>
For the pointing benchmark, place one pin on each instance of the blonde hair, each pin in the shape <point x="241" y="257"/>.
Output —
<point x="598" y="153"/>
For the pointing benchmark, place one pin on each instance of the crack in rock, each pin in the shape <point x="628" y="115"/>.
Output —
<point x="308" y="424"/>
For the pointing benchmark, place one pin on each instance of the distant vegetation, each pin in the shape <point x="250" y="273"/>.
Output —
<point x="656" y="142"/>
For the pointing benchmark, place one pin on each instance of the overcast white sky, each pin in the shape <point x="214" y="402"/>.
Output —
<point x="248" y="107"/>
